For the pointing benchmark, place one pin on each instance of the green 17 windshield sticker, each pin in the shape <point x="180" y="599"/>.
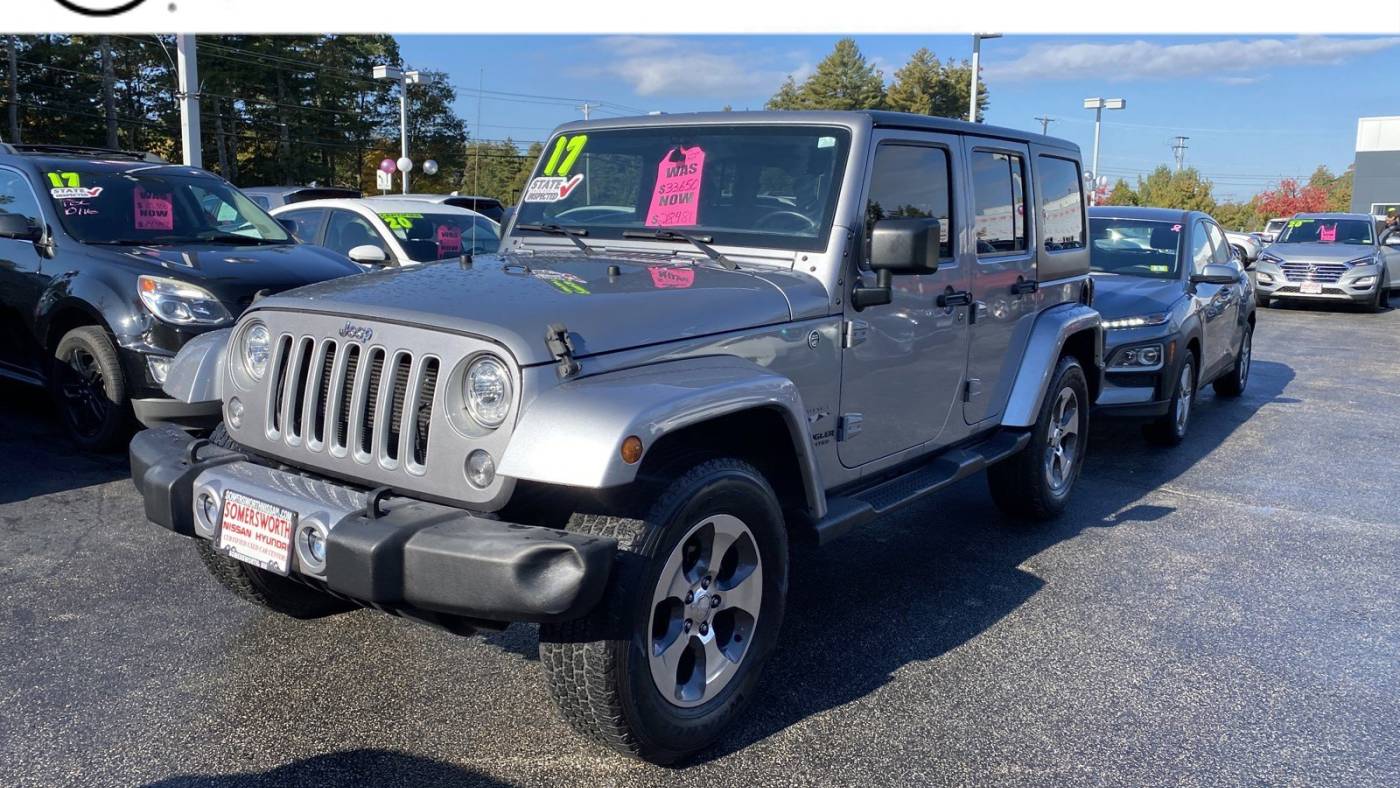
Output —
<point x="555" y="183"/>
<point x="69" y="186"/>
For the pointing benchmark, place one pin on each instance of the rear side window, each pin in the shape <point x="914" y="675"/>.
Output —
<point x="999" y="192"/>
<point x="306" y="224"/>
<point x="911" y="181"/>
<point x="1062" y="212"/>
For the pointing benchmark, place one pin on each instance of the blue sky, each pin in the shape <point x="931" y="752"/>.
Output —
<point x="1255" y="108"/>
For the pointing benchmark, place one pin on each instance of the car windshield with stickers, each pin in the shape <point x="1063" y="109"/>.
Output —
<point x="159" y="207"/>
<point x="1134" y="247"/>
<point x="744" y="185"/>
<point x="428" y="237"/>
<point x="1328" y="231"/>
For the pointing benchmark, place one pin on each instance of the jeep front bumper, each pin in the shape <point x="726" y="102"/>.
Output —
<point x="407" y="556"/>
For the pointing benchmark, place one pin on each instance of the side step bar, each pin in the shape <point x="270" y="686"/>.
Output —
<point x="845" y="512"/>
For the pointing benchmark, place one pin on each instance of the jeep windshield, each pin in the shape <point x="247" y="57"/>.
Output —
<point x="740" y="185"/>
<point x="1134" y="247"/>
<point x="1328" y="231"/>
<point x="158" y="207"/>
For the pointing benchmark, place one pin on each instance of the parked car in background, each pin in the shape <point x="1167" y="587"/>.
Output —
<point x="1329" y="257"/>
<point x="1272" y="229"/>
<point x="614" y="427"/>
<point x="1247" y="246"/>
<point x="1178" y="311"/>
<point x="380" y="231"/>
<point x="489" y="207"/>
<point x="111" y="261"/>
<point x="269" y="197"/>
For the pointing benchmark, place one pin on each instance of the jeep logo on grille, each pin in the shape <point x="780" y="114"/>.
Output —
<point x="357" y="333"/>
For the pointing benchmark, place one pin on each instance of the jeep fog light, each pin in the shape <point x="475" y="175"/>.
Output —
<point x="235" y="413"/>
<point x="481" y="469"/>
<point x="207" y="509"/>
<point x="311" y="546"/>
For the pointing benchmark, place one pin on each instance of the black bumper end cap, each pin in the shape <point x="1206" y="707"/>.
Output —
<point x="163" y="470"/>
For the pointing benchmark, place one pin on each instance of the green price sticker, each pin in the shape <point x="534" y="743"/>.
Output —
<point x="566" y="152"/>
<point x="65" y="180"/>
<point x="400" y="221"/>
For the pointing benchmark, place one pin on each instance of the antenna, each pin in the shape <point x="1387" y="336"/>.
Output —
<point x="1045" y="123"/>
<point x="1179" y="151"/>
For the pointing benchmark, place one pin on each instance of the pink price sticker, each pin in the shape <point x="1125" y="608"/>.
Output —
<point x="672" y="278"/>
<point x="675" y="200"/>
<point x="1327" y="233"/>
<point x="153" y="211"/>
<point x="449" y="240"/>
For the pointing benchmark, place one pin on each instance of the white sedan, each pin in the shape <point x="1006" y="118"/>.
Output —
<point x="376" y="232"/>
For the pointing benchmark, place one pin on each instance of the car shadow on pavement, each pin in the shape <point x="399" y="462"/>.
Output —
<point x="333" y="770"/>
<point x="36" y="458"/>
<point x="921" y="583"/>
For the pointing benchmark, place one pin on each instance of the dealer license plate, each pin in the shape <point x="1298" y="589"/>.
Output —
<point x="256" y="532"/>
<point x="1311" y="288"/>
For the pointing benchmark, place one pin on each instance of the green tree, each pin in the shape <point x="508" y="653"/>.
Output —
<point x="1239" y="216"/>
<point x="1185" y="190"/>
<point x="844" y="80"/>
<point x="926" y="86"/>
<point x="1122" y="194"/>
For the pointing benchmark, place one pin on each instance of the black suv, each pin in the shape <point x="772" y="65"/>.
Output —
<point x="110" y="261"/>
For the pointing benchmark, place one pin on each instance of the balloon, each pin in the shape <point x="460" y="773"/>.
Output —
<point x="430" y="167"/>
<point x="388" y="166"/>
<point x="405" y="164"/>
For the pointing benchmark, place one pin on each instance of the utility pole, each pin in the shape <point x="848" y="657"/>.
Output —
<point x="1045" y="123"/>
<point x="188" y="68"/>
<point x="1179" y="151"/>
<point x="585" y="108"/>
<point x="977" y="39"/>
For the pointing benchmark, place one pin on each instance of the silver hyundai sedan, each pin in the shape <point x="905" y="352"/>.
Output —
<point x="1335" y="257"/>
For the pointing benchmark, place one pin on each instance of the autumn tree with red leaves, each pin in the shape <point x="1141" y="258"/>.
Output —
<point x="1292" y="197"/>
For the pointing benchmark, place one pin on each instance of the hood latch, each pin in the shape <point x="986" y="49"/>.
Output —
<point x="562" y="348"/>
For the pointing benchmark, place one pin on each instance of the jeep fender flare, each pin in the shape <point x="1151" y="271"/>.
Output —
<point x="572" y="434"/>
<point x="1054" y="329"/>
<point x="197" y="372"/>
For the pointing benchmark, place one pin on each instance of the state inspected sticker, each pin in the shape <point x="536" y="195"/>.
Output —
<point x="551" y="188"/>
<point x="257" y="532"/>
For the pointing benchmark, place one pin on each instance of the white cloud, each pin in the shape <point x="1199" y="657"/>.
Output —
<point x="655" y="66"/>
<point x="1226" y="59"/>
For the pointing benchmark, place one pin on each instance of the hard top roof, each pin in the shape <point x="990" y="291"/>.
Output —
<point x="1148" y="213"/>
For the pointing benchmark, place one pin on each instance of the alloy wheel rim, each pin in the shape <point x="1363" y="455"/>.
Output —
<point x="1062" y="444"/>
<point x="1184" y="396"/>
<point x="704" y="611"/>
<point x="85" y="393"/>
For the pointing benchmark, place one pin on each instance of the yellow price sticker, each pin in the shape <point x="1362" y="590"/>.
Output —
<point x="566" y="152"/>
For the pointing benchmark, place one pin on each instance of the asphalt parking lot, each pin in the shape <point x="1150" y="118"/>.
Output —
<point x="1222" y="613"/>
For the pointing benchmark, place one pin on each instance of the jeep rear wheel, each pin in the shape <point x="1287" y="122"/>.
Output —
<point x="258" y="586"/>
<point x="1035" y="484"/>
<point x="673" y="652"/>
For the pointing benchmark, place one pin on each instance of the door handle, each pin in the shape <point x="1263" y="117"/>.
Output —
<point x="1022" y="286"/>
<point x="953" y="297"/>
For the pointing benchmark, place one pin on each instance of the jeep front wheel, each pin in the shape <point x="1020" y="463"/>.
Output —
<point x="1035" y="483"/>
<point x="673" y="652"/>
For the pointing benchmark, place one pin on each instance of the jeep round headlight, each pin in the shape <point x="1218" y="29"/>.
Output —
<point x="487" y="391"/>
<point x="257" y="349"/>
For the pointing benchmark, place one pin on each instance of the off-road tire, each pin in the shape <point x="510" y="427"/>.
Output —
<point x="1018" y="484"/>
<point x="259" y="586"/>
<point x="1167" y="430"/>
<point x="596" y="666"/>
<point x="114" y="430"/>
<point x="1233" y="383"/>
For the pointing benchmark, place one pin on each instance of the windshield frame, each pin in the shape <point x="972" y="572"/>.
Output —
<point x="1287" y="230"/>
<point x="1178" y="264"/>
<point x="180" y="177"/>
<point x="716" y="235"/>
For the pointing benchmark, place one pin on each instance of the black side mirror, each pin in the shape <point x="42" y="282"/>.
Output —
<point x="898" y="246"/>
<point x="1215" y="275"/>
<point x="12" y="225"/>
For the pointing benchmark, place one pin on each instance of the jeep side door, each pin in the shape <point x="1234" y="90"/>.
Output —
<point x="1004" y="263"/>
<point x="902" y="370"/>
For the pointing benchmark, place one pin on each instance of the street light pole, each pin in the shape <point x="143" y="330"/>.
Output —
<point x="405" y="78"/>
<point x="977" y="39"/>
<point x="1098" y="105"/>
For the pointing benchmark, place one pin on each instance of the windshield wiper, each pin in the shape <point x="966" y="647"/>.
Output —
<point x="701" y="242"/>
<point x="129" y="242"/>
<point x="572" y="233"/>
<point x="239" y="240"/>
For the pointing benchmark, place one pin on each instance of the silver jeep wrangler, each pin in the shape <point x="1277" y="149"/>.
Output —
<point x="704" y="336"/>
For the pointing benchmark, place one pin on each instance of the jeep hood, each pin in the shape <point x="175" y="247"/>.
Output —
<point x="514" y="299"/>
<point x="1117" y="296"/>
<point x="1320" y="253"/>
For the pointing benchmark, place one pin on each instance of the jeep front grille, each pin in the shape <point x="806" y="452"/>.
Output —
<point x="329" y="397"/>
<point x="1326" y="273"/>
